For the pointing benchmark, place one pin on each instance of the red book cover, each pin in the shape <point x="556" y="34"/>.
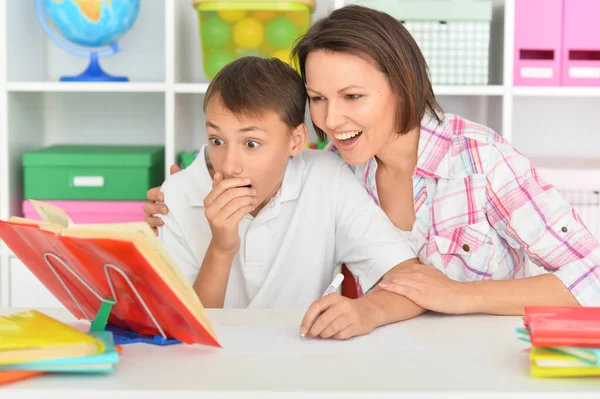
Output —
<point x="7" y="377"/>
<point x="563" y="325"/>
<point x="180" y="316"/>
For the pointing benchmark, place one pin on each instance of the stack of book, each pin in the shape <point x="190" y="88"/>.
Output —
<point x="32" y="343"/>
<point x="565" y="341"/>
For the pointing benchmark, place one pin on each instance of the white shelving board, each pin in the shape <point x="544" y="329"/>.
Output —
<point x="162" y="103"/>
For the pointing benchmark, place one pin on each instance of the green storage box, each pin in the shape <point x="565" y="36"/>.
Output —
<point x="92" y="172"/>
<point x="186" y="158"/>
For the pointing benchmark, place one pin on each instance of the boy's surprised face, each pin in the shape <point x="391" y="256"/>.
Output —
<point x="257" y="147"/>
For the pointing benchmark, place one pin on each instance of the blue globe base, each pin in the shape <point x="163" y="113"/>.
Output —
<point x="94" y="73"/>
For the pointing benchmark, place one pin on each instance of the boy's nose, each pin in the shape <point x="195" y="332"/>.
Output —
<point x="232" y="166"/>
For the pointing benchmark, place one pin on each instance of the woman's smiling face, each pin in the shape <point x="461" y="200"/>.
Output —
<point x="352" y="102"/>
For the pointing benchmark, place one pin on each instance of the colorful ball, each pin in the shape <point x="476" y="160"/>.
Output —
<point x="264" y="15"/>
<point x="248" y="33"/>
<point x="232" y="15"/>
<point x="299" y="18"/>
<point x="283" y="55"/>
<point x="266" y="48"/>
<point x="216" y="60"/>
<point x="281" y="33"/>
<point x="216" y="32"/>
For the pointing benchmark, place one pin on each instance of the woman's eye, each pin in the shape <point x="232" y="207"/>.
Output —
<point x="353" y="96"/>
<point x="317" y="98"/>
<point x="216" y="141"/>
<point x="252" y="144"/>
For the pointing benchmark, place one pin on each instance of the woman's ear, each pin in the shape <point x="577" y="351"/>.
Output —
<point x="299" y="137"/>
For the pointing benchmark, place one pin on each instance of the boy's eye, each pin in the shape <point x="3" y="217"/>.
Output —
<point x="216" y="141"/>
<point x="252" y="144"/>
<point x="353" y="96"/>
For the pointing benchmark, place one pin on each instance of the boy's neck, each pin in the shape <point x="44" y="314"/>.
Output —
<point x="266" y="201"/>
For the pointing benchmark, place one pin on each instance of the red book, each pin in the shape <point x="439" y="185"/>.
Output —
<point x="7" y="377"/>
<point x="81" y="265"/>
<point x="563" y="325"/>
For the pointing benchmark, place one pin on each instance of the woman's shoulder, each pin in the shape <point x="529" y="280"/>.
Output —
<point x="461" y="129"/>
<point x="471" y="146"/>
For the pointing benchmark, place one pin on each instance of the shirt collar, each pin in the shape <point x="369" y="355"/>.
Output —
<point x="292" y="179"/>
<point x="202" y="181"/>
<point x="435" y="142"/>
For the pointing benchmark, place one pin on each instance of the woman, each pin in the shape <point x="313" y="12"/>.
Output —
<point x="475" y="205"/>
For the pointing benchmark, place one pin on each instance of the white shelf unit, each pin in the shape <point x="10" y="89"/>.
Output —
<point x="162" y="104"/>
<point x="67" y="87"/>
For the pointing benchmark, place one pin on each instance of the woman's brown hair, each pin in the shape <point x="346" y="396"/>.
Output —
<point x="383" y="41"/>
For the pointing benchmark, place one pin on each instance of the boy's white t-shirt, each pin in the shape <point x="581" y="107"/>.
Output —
<point x="321" y="217"/>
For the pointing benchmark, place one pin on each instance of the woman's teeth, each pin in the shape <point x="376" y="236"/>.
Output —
<point x="347" y="135"/>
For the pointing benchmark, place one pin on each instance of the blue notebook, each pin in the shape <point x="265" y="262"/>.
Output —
<point x="124" y="337"/>
<point x="102" y="363"/>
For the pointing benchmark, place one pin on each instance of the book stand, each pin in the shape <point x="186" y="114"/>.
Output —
<point x="99" y="323"/>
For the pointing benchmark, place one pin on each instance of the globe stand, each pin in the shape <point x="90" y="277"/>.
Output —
<point x="94" y="73"/>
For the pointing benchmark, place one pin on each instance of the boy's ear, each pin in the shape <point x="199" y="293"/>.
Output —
<point x="299" y="137"/>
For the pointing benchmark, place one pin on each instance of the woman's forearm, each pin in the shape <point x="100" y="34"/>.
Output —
<point x="509" y="297"/>
<point x="387" y="307"/>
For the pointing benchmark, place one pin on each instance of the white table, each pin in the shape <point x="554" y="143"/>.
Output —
<point x="436" y="356"/>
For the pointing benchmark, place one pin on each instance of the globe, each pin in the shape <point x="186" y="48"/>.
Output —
<point x="92" y="24"/>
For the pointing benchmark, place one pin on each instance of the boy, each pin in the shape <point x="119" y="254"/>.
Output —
<point x="267" y="226"/>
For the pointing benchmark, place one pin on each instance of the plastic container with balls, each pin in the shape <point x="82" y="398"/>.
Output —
<point x="230" y="29"/>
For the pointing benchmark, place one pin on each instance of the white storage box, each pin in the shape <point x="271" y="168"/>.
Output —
<point x="454" y="35"/>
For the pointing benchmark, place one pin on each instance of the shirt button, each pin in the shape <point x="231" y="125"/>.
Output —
<point x="564" y="229"/>
<point x="466" y="248"/>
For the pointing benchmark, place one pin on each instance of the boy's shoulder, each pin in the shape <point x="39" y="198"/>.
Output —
<point x="324" y="168"/>
<point x="322" y="159"/>
<point x="190" y="184"/>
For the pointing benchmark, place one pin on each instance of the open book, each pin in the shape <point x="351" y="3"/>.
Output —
<point x="84" y="265"/>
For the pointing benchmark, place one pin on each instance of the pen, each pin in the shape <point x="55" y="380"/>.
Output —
<point x="335" y="283"/>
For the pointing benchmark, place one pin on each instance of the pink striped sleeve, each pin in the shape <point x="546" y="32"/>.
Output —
<point x="532" y="215"/>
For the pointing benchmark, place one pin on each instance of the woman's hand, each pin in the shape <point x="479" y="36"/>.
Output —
<point x="151" y="208"/>
<point x="429" y="288"/>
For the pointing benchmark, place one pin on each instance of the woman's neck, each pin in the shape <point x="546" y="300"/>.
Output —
<point x="399" y="156"/>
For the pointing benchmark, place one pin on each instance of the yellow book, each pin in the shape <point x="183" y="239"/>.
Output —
<point x="33" y="336"/>
<point x="548" y="363"/>
<point x="537" y="371"/>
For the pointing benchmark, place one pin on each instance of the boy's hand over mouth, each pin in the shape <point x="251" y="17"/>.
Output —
<point x="225" y="206"/>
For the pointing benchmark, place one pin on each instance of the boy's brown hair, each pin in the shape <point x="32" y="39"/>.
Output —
<point x="252" y="85"/>
<point x="383" y="41"/>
